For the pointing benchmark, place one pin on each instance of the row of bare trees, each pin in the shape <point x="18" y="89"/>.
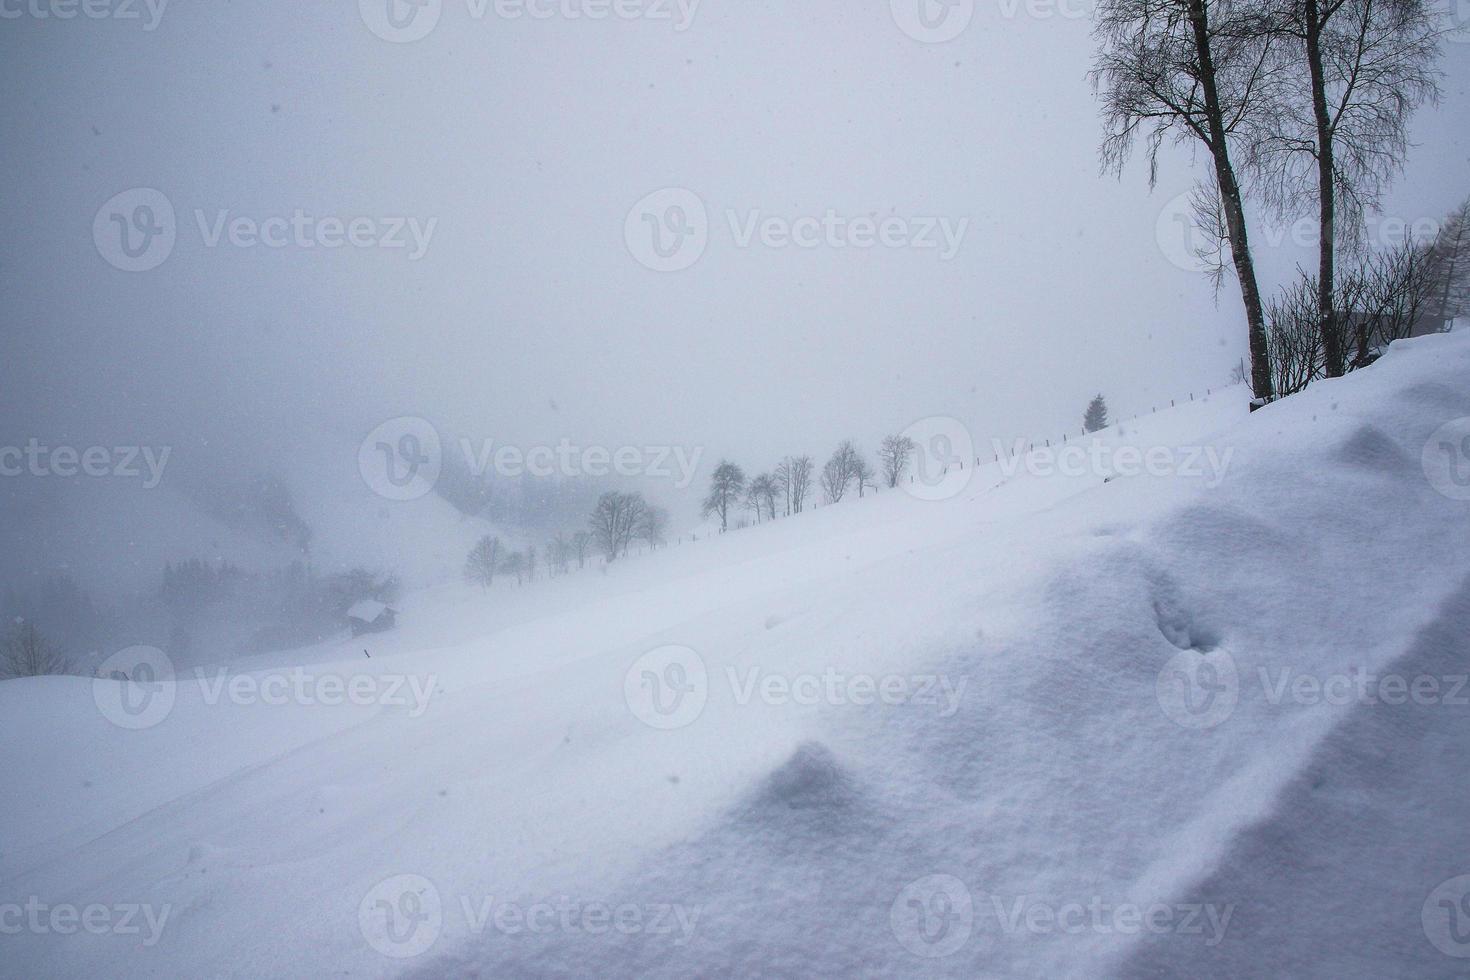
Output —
<point x="1305" y="103"/>
<point x="787" y="487"/>
<point x="618" y="520"/>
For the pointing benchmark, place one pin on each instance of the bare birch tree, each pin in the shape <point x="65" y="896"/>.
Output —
<point x="1352" y="74"/>
<point x="1190" y="71"/>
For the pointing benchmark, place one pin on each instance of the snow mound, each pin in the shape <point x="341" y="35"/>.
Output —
<point x="1371" y="448"/>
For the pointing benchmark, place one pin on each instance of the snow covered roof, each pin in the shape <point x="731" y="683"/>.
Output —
<point x="367" y="610"/>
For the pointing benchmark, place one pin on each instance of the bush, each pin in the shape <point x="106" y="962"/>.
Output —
<point x="25" y="652"/>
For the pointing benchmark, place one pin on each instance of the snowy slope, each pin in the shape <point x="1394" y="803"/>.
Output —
<point x="1032" y="783"/>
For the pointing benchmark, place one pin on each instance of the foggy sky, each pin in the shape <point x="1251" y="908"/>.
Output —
<point x="527" y="319"/>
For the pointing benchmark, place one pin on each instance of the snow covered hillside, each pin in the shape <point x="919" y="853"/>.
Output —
<point x="1205" y="721"/>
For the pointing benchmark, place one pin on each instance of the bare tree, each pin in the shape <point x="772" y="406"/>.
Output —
<point x="653" y="526"/>
<point x="761" y="495"/>
<point x="558" y="554"/>
<point x="725" y="489"/>
<point x="1354" y="72"/>
<point x="801" y="481"/>
<point x="581" y="541"/>
<point x="839" y="471"/>
<point x="862" y="473"/>
<point x="531" y="563"/>
<point x="25" y="652"/>
<point x="1296" y="336"/>
<point x="834" y="481"/>
<point x="515" y="564"/>
<point x="483" y="561"/>
<point x="753" y="501"/>
<point x="1398" y="290"/>
<point x="1190" y="71"/>
<point x="1377" y="302"/>
<point x="894" y="456"/>
<point x="1449" y="259"/>
<point x="782" y="477"/>
<point x="615" y="521"/>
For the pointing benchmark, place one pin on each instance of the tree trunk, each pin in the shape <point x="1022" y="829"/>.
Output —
<point x="1332" y="346"/>
<point x="1449" y="276"/>
<point x="1230" y="198"/>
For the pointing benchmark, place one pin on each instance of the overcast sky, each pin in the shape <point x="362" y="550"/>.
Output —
<point x="519" y="147"/>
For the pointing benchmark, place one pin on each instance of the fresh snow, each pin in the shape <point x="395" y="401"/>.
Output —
<point x="1035" y="777"/>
